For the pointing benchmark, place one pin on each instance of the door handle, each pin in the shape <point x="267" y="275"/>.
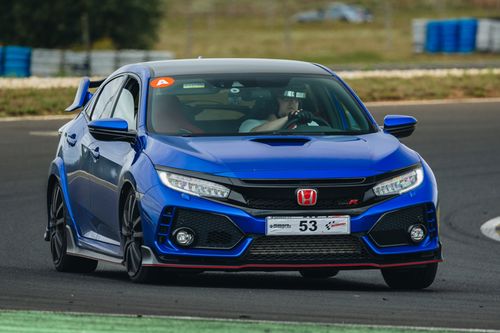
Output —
<point x="95" y="152"/>
<point x="71" y="139"/>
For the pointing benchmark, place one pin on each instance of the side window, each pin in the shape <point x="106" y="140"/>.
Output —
<point x="128" y="103"/>
<point x="105" y="101"/>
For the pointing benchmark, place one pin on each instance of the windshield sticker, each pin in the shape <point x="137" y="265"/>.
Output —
<point x="196" y="85"/>
<point x="162" y="82"/>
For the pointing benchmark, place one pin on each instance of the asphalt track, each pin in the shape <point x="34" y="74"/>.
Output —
<point x="460" y="141"/>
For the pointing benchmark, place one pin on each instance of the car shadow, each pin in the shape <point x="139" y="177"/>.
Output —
<point x="249" y="280"/>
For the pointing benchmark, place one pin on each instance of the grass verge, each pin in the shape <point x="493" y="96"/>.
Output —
<point x="58" y="322"/>
<point x="426" y="88"/>
<point x="29" y="102"/>
<point x="32" y="102"/>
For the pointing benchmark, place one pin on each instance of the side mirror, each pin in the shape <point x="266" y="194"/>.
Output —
<point x="111" y="129"/>
<point x="399" y="126"/>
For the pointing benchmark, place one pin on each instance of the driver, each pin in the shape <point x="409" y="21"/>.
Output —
<point x="287" y="110"/>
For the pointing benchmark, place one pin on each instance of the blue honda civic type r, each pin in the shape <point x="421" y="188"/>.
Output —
<point x="238" y="164"/>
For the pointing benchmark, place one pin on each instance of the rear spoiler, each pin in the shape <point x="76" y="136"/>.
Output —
<point x="82" y="94"/>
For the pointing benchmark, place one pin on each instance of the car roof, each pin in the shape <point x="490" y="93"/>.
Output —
<point x="231" y="65"/>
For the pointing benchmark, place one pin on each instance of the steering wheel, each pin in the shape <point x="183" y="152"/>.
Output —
<point x="318" y="120"/>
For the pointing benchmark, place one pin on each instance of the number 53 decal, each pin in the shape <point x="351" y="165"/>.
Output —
<point x="308" y="225"/>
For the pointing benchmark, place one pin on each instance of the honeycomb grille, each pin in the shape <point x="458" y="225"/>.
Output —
<point x="328" y="248"/>
<point x="392" y="228"/>
<point x="285" y="198"/>
<point x="212" y="231"/>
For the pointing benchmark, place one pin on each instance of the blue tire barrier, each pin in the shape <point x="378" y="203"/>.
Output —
<point x="433" y="42"/>
<point x="449" y="36"/>
<point x="16" y="61"/>
<point x="1" y="61"/>
<point x="467" y="35"/>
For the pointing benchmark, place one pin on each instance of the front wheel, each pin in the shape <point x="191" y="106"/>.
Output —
<point x="132" y="237"/>
<point x="63" y="262"/>
<point x="418" y="277"/>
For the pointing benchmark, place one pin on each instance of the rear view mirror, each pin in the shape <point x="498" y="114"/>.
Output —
<point x="399" y="126"/>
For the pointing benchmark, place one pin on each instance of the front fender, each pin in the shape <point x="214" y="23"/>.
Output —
<point x="57" y="174"/>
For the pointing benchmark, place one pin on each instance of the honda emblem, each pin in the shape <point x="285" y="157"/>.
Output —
<point x="307" y="197"/>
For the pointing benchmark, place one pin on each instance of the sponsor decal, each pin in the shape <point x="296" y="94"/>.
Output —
<point x="195" y="85"/>
<point x="307" y="197"/>
<point x="332" y="224"/>
<point x="280" y="226"/>
<point x="162" y="82"/>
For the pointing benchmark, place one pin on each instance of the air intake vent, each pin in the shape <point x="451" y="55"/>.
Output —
<point x="212" y="231"/>
<point x="318" y="248"/>
<point x="282" y="141"/>
<point x="392" y="228"/>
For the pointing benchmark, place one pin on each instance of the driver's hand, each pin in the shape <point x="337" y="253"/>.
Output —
<point x="303" y="117"/>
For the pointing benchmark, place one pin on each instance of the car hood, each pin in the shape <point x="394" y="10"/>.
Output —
<point x="267" y="157"/>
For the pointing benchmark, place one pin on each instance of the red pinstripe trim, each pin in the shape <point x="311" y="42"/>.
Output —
<point x="215" y="267"/>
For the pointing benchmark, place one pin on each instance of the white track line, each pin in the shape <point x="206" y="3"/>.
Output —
<point x="72" y="82"/>
<point x="436" y="101"/>
<point x="415" y="73"/>
<point x="491" y="229"/>
<point x="38" y="118"/>
<point x="44" y="133"/>
<point x="343" y="325"/>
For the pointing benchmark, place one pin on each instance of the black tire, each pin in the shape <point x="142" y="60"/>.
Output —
<point x="63" y="262"/>
<point x="132" y="240"/>
<point x="323" y="273"/>
<point x="412" y="278"/>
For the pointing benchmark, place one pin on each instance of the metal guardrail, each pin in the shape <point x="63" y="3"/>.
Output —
<point x="98" y="63"/>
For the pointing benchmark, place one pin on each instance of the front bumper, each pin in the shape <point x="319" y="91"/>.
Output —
<point x="150" y="259"/>
<point x="362" y="250"/>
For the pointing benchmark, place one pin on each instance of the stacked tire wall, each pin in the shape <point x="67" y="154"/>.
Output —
<point x="465" y="35"/>
<point x="16" y="61"/>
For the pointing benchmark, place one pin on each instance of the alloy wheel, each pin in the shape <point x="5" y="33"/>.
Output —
<point x="133" y="239"/>
<point x="57" y="225"/>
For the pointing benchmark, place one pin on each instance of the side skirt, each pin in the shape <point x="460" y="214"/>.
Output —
<point x="74" y="250"/>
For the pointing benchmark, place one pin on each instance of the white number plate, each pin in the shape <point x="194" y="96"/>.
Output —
<point x="308" y="225"/>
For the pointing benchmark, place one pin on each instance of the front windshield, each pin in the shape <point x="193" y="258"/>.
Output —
<point x="224" y="105"/>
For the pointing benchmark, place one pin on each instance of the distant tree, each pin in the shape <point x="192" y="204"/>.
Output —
<point x="129" y="24"/>
<point x="58" y="23"/>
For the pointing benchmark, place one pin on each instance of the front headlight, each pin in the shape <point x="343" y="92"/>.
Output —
<point x="194" y="186"/>
<point x="400" y="184"/>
